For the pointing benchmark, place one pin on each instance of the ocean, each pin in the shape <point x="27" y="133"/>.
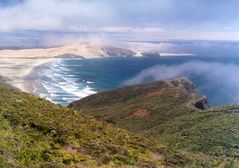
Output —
<point x="67" y="80"/>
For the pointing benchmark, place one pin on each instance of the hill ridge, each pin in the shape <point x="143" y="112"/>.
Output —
<point x="170" y="112"/>
<point x="37" y="133"/>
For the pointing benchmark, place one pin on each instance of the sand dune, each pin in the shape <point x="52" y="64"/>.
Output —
<point x="83" y="50"/>
<point x="16" y="65"/>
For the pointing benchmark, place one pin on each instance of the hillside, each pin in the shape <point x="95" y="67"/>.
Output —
<point x="172" y="113"/>
<point x="37" y="133"/>
<point x="151" y="103"/>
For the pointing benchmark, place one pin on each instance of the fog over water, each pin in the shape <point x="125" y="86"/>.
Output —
<point x="213" y="79"/>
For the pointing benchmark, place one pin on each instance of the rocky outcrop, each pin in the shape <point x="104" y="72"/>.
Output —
<point x="201" y="103"/>
<point x="151" y="54"/>
<point x="184" y="83"/>
<point x="118" y="52"/>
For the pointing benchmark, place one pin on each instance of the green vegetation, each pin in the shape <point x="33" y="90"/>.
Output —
<point x="166" y="129"/>
<point x="37" y="133"/>
<point x="166" y="111"/>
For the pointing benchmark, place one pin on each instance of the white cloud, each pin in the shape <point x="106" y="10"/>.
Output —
<point x="54" y="15"/>
<point x="125" y="20"/>
<point x="219" y="79"/>
<point x="124" y="29"/>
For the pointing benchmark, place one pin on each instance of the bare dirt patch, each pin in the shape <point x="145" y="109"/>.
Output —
<point x="140" y="113"/>
<point x="156" y="93"/>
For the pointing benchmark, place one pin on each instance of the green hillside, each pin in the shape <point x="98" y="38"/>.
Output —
<point x="37" y="133"/>
<point x="173" y="114"/>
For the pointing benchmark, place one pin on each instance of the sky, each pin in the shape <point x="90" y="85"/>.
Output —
<point x="140" y="20"/>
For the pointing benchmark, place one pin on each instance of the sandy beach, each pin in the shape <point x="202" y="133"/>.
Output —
<point x="17" y="65"/>
<point x="17" y="70"/>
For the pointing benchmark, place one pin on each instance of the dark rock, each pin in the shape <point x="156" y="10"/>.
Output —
<point x="201" y="103"/>
<point x="118" y="52"/>
<point x="151" y="54"/>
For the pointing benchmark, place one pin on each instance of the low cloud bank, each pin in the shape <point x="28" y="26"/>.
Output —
<point x="199" y="48"/>
<point x="218" y="81"/>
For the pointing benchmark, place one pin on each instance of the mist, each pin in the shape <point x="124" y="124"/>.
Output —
<point x="217" y="80"/>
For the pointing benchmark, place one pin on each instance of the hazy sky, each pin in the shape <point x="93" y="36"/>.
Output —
<point x="123" y="19"/>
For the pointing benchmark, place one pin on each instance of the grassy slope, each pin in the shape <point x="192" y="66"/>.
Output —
<point x="165" y="113"/>
<point x="37" y="133"/>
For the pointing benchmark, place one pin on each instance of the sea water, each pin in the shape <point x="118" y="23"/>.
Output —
<point x="67" y="80"/>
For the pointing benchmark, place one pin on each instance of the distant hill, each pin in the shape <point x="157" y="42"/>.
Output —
<point x="172" y="113"/>
<point x="83" y="50"/>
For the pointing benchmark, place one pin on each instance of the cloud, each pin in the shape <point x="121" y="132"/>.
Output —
<point x="162" y="47"/>
<point x="124" y="29"/>
<point x="218" y="80"/>
<point x="126" y="19"/>
<point x="58" y="40"/>
<point x="54" y="15"/>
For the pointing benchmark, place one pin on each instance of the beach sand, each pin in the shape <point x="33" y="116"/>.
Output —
<point x="18" y="65"/>
<point x="19" y="71"/>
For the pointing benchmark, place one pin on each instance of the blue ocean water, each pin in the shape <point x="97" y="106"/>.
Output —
<point x="66" y="80"/>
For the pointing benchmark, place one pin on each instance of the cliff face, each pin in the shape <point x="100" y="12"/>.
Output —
<point x="170" y="112"/>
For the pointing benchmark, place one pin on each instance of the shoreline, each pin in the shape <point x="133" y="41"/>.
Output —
<point x="30" y="79"/>
<point x="21" y="72"/>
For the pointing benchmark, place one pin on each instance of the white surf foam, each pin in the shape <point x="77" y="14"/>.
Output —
<point x="63" y="87"/>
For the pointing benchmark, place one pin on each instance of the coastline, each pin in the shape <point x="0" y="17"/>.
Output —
<point x="18" y="65"/>
<point x="30" y="79"/>
<point x="21" y="72"/>
<point x="175" y="54"/>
